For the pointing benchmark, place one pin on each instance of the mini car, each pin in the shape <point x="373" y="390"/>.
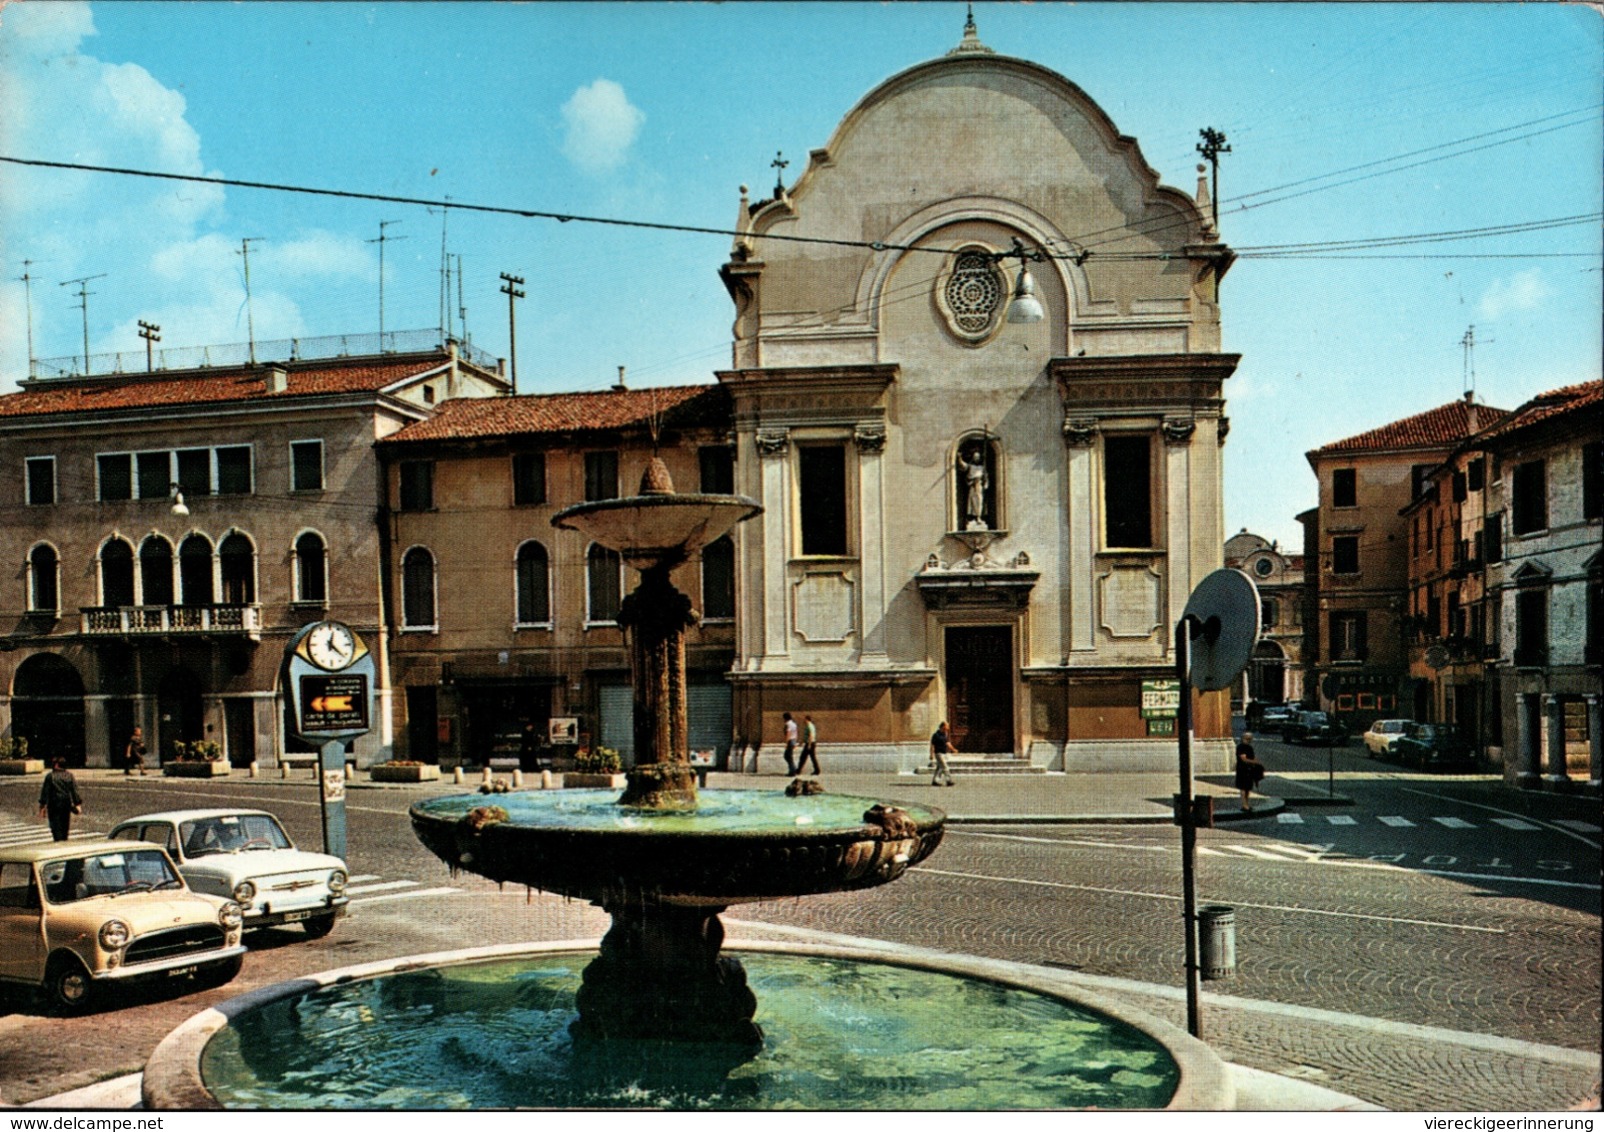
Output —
<point x="1275" y="716"/>
<point x="1314" y="727"/>
<point x="1434" y="746"/>
<point x="246" y="856"/>
<point x="77" y="915"/>
<point x="1383" y="736"/>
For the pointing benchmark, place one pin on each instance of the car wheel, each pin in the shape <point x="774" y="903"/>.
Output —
<point x="68" y="985"/>
<point x="319" y="926"/>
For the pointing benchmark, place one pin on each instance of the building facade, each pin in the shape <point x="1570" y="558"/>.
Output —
<point x="1359" y="627"/>
<point x="968" y="518"/>
<point x="1275" y="674"/>
<point x="502" y="623"/>
<point x="175" y="529"/>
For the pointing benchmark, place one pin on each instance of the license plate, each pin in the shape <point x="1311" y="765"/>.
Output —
<point x="183" y="972"/>
<point x="295" y="917"/>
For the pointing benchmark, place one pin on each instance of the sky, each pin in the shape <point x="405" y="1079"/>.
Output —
<point x="1346" y="122"/>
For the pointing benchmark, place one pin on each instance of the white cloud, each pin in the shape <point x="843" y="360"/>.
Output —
<point x="600" y="126"/>
<point x="320" y="253"/>
<point x="1523" y="291"/>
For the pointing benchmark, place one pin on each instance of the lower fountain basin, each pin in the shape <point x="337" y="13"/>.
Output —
<point x="737" y="846"/>
<point x="847" y="1028"/>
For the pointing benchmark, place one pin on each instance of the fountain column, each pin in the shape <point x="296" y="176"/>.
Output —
<point x="654" y="618"/>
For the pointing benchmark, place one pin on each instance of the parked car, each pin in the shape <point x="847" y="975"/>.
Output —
<point x="245" y="855"/>
<point x="1315" y="727"/>
<point x="77" y="915"/>
<point x="1434" y="746"/>
<point x="1383" y="736"/>
<point x="1273" y="717"/>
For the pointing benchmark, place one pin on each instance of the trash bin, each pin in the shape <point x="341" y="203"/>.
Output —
<point x="1216" y="927"/>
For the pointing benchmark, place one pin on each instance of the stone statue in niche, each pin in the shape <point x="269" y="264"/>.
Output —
<point x="972" y="463"/>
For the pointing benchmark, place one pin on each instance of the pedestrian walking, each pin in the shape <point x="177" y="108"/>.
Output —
<point x="1249" y="770"/>
<point x="940" y="747"/>
<point x="790" y="746"/>
<point x="134" y="754"/>
<point x="810" y="745"/>
<point x="59" y="799"/>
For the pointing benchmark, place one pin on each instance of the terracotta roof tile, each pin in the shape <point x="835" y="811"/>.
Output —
<point x="135" y="391"/>
<point x="1547" y="406"/>
<point x="1440" y="428"/>
<point x="674" y="406"/>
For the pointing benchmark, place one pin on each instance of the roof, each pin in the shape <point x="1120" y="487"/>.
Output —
<point x="672" y="406"/>
<point x="199" y="387"/>
<point x="1441" y="428"/>
<point x="54" y="850"/>
<point x="194" y="815"/>
<point x="1549" y="406"/>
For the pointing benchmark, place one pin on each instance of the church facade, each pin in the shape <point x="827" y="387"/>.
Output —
<point x="968" y="517"/>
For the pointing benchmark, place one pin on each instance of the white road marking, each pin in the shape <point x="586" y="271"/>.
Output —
<point x="1253" y="851"/>
<point x="405" y="895"/>
<point x="384" y="887"/>
<point x="1286" y="818"/>
<point x="1579" y="826"/>
<point x="1515" y="823"/>
<point x="1395" y="820"/>
<point x="363" y="877"/>
<point x="1340" y="819"/>
<point x="1455" y="823"/>
<point x="1479" y="806"/>
<point x="1235" y="903"/>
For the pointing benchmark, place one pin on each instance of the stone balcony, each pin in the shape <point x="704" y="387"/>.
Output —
<point x="242" y="621"/>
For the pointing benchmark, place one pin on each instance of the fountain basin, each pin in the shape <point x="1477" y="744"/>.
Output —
<point x="869" y="1027"/>
<point x="737" y="846"/>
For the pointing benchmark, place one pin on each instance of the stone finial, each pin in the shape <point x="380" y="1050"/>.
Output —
<point x="655" y="480"/>
<point x="743" y="246"/>
<point x="1204" y="202"/>
<point x="971" y="40"/>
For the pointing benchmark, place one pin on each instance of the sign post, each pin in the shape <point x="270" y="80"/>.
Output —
<point x="330" y="675"/>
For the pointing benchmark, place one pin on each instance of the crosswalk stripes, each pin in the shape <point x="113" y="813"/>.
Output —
<point x="1454" y="823"/>
<point x="1579" y="826"/>
<point x="1341" y="819"/>
<point x="20" y="831"/>
<point x="1287" y="817"/>
<point x="1514" y="823"/>
<point x="1395" y="821"/>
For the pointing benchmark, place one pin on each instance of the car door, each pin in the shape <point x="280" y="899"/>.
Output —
<point x="22" y="943"/>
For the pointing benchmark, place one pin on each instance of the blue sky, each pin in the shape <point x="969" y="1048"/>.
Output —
<point x="659" y="112"/>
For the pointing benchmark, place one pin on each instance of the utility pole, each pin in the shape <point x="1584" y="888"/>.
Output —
<point x="27" y="289"/>
<point x="381" y="241"/>
<point x="150" y="332"/>
<point x="512" y="292"/>
<point x="83" y="304"/>
<point x="462" y="308"/>
<point x="1212" y="145"/>
<point x="250" y="323"/>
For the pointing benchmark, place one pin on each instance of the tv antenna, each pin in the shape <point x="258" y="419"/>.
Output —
<point x="27" y="288"/>
<point x="1468" y="343"/>
<point x="381" y="241"/>
<point x="83" y="304"/>
<point x="250" y="323"/>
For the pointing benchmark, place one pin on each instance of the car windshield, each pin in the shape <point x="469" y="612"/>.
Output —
<point x="231" y="833"/>
<point x="107" y="874"/>
<point x="1316" y="717"/>
<point x="1429" y="731"/>
<point x="1391" y="727"/>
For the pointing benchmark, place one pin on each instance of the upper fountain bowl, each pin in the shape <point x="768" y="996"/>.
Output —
<point x="658" y="527"/>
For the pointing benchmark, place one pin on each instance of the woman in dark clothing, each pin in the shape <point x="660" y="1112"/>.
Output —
<point x="1249" y="770"/>
<point x="59" y="799"/>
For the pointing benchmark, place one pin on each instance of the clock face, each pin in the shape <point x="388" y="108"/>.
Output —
<point x="331" y="645"/>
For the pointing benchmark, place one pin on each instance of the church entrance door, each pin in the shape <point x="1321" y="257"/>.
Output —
<point x="980" y="688"/>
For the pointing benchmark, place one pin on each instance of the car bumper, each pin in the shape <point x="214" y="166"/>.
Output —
<point x="171" y="966"/>
<point x="272" y="917"/>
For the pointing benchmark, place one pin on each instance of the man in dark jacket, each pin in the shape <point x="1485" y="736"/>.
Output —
<point x="59" y="799"/>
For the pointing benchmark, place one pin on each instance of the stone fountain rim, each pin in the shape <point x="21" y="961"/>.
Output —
<point x="172" y="1076"/>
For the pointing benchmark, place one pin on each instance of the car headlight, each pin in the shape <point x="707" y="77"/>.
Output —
<point x="230" y="915"/>
<point x="337" y="881"/>
<point x="113" y="935"/>
<point x="244" y="892"/>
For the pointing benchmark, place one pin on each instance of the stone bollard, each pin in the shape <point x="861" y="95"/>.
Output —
<point x="488" y="776"/>
<point x="545" y="780"/>
<point x="253" y="770"/>
<point x="283" y="770"/>
<point x="517" y="780"/>
<point x="456" y="775"/>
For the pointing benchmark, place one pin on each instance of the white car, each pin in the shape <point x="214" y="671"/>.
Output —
<point x="1383" y="734"/>
<point x="245" y="856"/>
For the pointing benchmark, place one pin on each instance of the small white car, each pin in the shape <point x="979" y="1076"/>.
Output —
<point x="245" y="855"/>
<point x="1383" y="735"/>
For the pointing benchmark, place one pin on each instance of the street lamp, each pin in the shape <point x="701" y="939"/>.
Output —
<point x="1025" y="306"/>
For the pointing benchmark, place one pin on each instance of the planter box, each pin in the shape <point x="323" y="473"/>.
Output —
<point x="22" y="766"/>
<point x="197" y="770"/>
<point x="573" y="780"/>
<point x="384" y="772"/>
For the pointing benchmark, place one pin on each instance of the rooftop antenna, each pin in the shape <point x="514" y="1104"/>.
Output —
<point x="151" y="333"/>
<point x="383" y="239"/>
<point x="27" y="289"/>
<point x="1468" y="343"/>
<point x="83" y="304"/>
<point x="445" y="271"/>
<point x="462" y="308"/>
<point x="250" y="322"/>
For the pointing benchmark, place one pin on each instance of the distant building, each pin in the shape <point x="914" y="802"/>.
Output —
<point x="1275" y="674"/>
<point x="969" y="518"/>
<point x="502" y="622"/>
<point x="1357" y="550"/>
<point x="124" y="611"/>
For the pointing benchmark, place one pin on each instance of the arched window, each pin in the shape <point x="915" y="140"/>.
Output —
<point x="534" y="587"/>
<point x="236" y="559"/>
<point x="44" y="590"/>
<point x="604" y="575"/>
<point x="718" y="580"/>
<point x="311" y="569"/>
<point x="116" y="574"/>
<point x="417" y="589"/>
<point x="156" y="571"/>
<point x="195" y="571"/>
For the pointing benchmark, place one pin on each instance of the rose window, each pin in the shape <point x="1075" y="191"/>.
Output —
<point x="974" y="292"/>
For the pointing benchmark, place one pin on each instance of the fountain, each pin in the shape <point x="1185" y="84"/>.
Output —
<point x="662" y="1016"/>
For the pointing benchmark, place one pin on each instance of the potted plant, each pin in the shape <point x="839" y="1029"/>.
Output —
<point x="14" y="757"/>
<point x="200" y="759"/>
<point x="404" y="770"/>
<point x="595" y="767"/>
